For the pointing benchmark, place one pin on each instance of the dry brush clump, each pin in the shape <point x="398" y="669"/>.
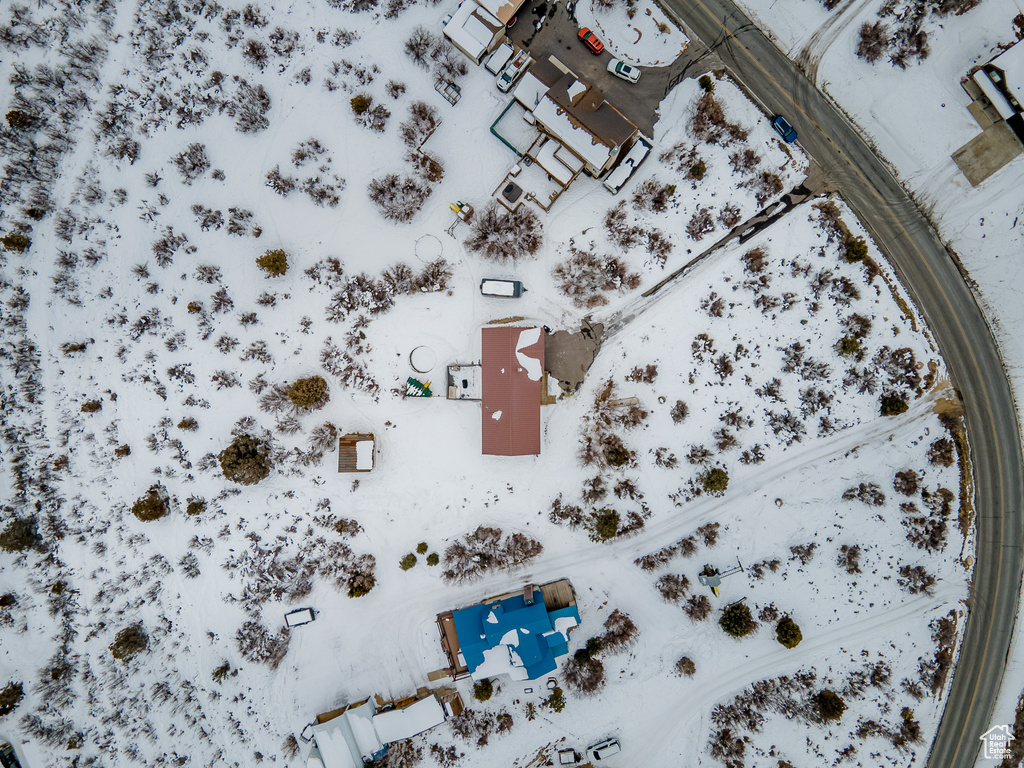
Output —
<point x="398" y="198"/>
<point x="585" y="278"/>
<point x="259" y="645"/>
<point x="709" y="123"/>
<point x="505" y="235"/>
<point x="486" y="549"/>
<point x="477" y="727"/>
<point x="272" y="574"/>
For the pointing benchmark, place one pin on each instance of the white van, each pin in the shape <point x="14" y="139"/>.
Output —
<point x="505" y="289"/>
<point x="497" y="60"/>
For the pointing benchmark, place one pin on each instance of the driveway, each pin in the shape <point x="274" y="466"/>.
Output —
<point x="558" y="36"/>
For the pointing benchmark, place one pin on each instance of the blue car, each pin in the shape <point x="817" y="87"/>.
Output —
<point x="784" y="129"/>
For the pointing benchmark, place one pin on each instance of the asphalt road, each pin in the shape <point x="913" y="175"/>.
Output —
<point x="968" y="347"/>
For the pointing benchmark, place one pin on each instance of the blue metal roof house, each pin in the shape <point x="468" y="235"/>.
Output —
<point x="516" y="635"/>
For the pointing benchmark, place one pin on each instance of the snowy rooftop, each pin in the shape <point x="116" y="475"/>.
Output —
<point x="405" y="723"/>
<point x="1011" y="62"/>
<point x="504" y="10"/>
<point x="576" y="137"/>
<point x="513" y="361"/>
<point x="558" y="161"/>
<point x="472" y="28"/>
<point x="511" y="637"/>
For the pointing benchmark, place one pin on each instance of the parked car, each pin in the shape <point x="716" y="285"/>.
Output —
<point x="7" y="757"/>
<point x="603" y="749"/>
<point x="784" y="129"/>
<point x="299" y="616"/>
<point x="505" y="289"/>
<point x="591" y="41"/>
<point x="513" y="70"/>
<point x="627" y="166"/>
<point x="619" y="68"/>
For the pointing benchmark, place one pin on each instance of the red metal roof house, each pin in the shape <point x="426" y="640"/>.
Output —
<point x="513" y="366"/>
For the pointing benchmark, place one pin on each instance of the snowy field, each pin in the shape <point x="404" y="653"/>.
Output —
<point x="983" y="224"/>
<point x="167" y="146"/>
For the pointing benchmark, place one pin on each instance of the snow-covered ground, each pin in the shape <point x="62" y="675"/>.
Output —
<point x="204" y="137"/>
<point x="638" y="32"/>
<point x="891" y="105"/>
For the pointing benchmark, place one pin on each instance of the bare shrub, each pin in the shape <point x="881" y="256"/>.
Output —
<point x="710" y="124"/>
<point x="620" y="231"/>
<point x="673" y="587"/>
<point x="422" y="122"/>
<point x="418" y="46"/>
<point x="701" y="224"/>
<point x="679" y="412"/>
<point x="874" y="41"/>
<point x="868" y="493"/>
<point x="915" y="579"/>
<point x="652" y="195"/>
<point x="729" y="216"/>
<point x="697" y="607"/>
<point x="585" y="278"/>
<point x="906" y="482"/>
<point x="258" y="645"/>
<point x="685" y="667"/>
<point x="803" y="552"/>
<point x="585" y="676"/>
<point x="398" y="199"/>
<point x="849" y="558"/>
<point x="192" y="163"/>
<point x="503" y="236"/>
<point x="487" y="549"/>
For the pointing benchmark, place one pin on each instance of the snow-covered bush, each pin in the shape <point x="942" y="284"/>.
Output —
<point x="257" y="644"/>
<point x="585" y="277"/>
<point x="192" y="162"/>
<point x="486" y="549"/>
<point x="502" y="235"/>
<point x="398" y="199"/>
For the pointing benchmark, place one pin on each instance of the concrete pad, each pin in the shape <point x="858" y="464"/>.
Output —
<point x="986" y="153"/>
<point x="568" y="356"/>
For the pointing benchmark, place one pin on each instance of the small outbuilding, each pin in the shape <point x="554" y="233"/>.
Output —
<point x="356" y="452"/>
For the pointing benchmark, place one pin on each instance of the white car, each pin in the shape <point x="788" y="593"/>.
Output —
<point x="619" y="68"/>
<point x="603" y="749"/>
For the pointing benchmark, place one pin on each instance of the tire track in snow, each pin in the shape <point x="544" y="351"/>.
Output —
<point x="809" y="58"/>
<point x="781" y="661"/>
<point x="403" y="613"/>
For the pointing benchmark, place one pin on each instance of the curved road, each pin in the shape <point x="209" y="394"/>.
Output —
<point x="930" y="274"/>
